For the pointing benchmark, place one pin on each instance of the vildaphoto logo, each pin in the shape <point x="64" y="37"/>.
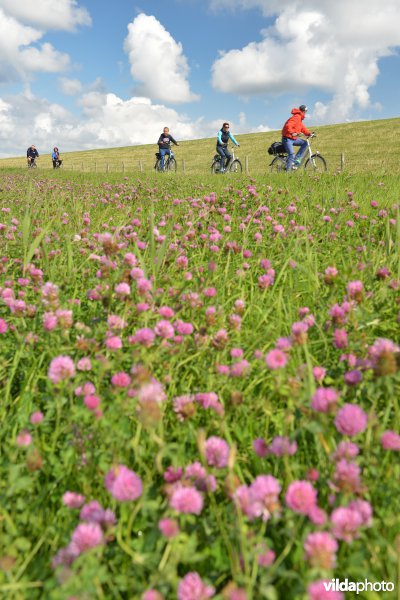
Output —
<point x="337" y="585"/>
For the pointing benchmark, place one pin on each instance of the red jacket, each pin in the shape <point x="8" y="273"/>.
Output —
<point x="295" y="125"/>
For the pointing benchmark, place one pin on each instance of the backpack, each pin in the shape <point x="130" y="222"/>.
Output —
<point x="276" y="148"/>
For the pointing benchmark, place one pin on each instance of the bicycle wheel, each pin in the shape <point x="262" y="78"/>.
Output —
<point x="215" y="167"/>
<point x="278" y="165"/>
<point x="171" y="165"/>
<point x="236" y="166"/>
<point x="316" y="163"/>
<point x="157" y="166"/>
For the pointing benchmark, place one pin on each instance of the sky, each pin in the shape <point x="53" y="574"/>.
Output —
<point x="105" y="73"/>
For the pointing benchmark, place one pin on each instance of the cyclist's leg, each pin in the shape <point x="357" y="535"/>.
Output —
<point x="54" y="163"/>
<point x="162" y="155"/>
<point x="303" y="147"/>
<point x="221" y="152"/>
<point x="288" y="145"/>
<point x="228" y="157"/>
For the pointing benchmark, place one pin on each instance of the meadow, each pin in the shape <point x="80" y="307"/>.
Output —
<point x="359" y="147"/>
<point x="200" y="385"/>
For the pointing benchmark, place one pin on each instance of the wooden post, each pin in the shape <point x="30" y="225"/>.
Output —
<point x="141" y="166"/>
<point x="95" y="166"/>
<point x="246" y="165"/>
<point x="342" y="161"/>
<point x="82" y="165"/>
<point x="123" y="167"/>
<point x="184" y="165"/>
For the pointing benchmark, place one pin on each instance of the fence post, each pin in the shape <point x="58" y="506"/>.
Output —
<point x="141" y="166"/>
<point x="95" y="166"/>
<point x="184" y="165"/>
<point x="246" y="164"/>
<point x="82" y="165"/>
<point x="342" y="161"/>
<point x="123" y="167"/>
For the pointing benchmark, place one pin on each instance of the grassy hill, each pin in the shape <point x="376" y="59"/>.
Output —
<point x="363" y="144"/>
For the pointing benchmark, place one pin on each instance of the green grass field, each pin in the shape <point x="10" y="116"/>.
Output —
<point x="364" y="145"/>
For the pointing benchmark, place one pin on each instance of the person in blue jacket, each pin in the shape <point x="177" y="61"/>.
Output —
<point x="55" y="156"/>
<point x="224" y="135"/>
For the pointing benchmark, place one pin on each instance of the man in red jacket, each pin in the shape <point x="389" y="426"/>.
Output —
<point x="290" y="132"/>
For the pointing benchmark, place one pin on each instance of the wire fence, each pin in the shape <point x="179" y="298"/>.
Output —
<point x="377" y="163"/>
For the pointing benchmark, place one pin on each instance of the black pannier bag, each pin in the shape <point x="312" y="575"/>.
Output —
<point x="276" y="148"/>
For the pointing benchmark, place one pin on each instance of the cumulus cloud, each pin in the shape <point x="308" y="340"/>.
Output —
<point x="22" y="27"/>
<point x="157" y="61"/>
<point x="48" y="14"/>
<point x="316" y="44"/>
<point x="106" y="121"/>
<point x="70" y="87"/>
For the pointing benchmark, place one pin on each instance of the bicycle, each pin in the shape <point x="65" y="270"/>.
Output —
<point x="32" y="164"/>
<point x="233" y="166"/>
<point x="315" y="162"/>
<point x="169" y="163"/>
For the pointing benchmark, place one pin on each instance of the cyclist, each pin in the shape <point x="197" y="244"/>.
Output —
<point x="290" y="132"/>
<point x="164" y="145"/>
<point x="224" y="135"/>
<point x="31" y="155"/>
<point x="57" y="162"/>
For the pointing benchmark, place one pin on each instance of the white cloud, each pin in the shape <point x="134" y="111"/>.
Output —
<point x="316" y="44"/>
<point x="107" y="121"/>
<point x="48" y="14"/>
<point x="21" y="51"/>
<point x="70" y="87"/>
<point x="157" y="61"/>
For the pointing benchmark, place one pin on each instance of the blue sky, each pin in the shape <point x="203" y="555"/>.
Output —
<point x="101" y="73"/>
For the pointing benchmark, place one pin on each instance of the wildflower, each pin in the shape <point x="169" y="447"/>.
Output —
<point x="346" y="523"/>
<point x="73" y="500"/>
<point x="324" y="399"/>
<point x="210" y="400"/>
<point x="60" y="369"/>
<point x="320" y="550"/>
<point x="36" y="417"/>
<point x="3" y="326"/>
<point x="318" y="591"/>
<point x="276" y="359"/>
<point x="260" y="447"/>
<point x="84" y="364"/>
<point x="346" y="450"/>
<point x="317" y="516"/>
<point x="353" y="377"/>
<point x="330" y="275"/>
<point x="173" y="474"/>
<point x="23" y="439"/>
<point x="282" y="446"/>
<point x="383" y="354"/>
<point x="347" y="476"/>
<point x="184" y="406"/>
<point x="151" y="392"/>
<point x="264" y="496"/>
<point x="217" y="452"/>
<point x="123" y="484"/>
<point x="355" y="290"/>
<point x="351" y="420"/>
<point x="266" y="559"/>
<point x="144" y="337"/>
<point x="301" y="497"/>
<point x="114" y="342"/>
<point x="340" y="338"/>
<point x="87" y="536"/>
<point x="390" y="440"/>
<point x="164" y="329"/>
<point x="122" y="290"/>
<point x="168" y="527"/>
<point x="364" y="509"/>
<point x="192" y="587"/>
<point x="186" y="500"/>
<point x="319" y="373"/>
<point x="152" y="595"/>
<point x="91" y="402"/>
<point x="121" y="380"/>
